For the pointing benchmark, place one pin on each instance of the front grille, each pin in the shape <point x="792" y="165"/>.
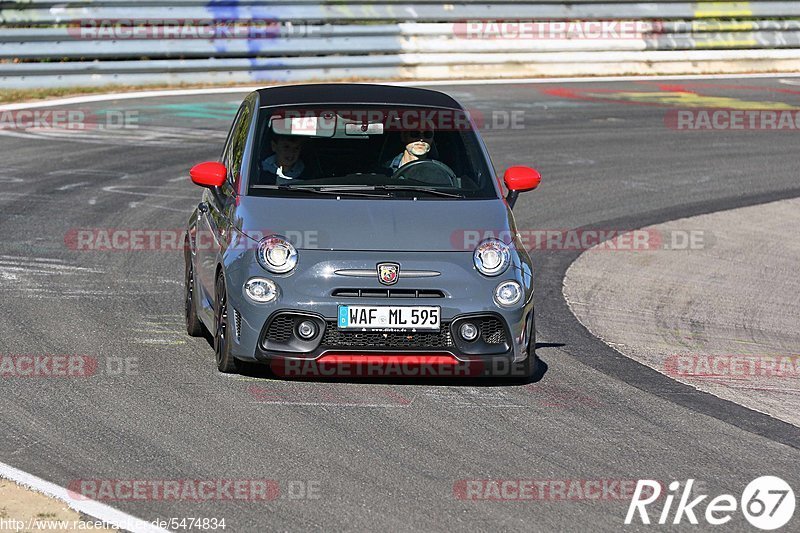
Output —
<point x="387" y="293"/>
<point x="336" y="338"/>
<point x="492" y="331"/>
<point x="280" y="330"/>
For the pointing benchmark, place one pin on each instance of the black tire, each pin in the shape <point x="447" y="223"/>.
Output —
<point x="531" y="363"/>
<point x="525" y="371"/>
<point x="193" y="325"/>
<point x="530" y="366"/>
<point x="226" y="363"/>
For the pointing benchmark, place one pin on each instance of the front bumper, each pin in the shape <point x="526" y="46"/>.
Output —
<point x="267" y="332"/>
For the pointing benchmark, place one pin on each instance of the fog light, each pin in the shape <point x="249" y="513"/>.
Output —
<point x="508" y="293"/>
<point x="468" y="331"/>
<point x="261" y="290"/>
<point x="307" y="330"/>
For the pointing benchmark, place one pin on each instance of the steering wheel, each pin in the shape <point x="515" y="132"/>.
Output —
<point x="428" y="172"/>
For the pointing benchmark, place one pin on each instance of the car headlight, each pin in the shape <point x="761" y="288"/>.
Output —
<point x="277" y="255"/>
<point x="492" y="257"/>
<point x="508" y="293"/>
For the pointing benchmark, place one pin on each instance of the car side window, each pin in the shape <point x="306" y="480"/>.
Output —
<point x="238" y="141"/>
<point x="227" y="148"/>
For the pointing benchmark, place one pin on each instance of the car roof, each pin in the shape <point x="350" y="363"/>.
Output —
<point x="354" y="93"/>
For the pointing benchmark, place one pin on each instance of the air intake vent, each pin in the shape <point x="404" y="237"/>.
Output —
<point x="387" y="293"/>
<point x="492" y="331"/>
<point x="336" y="338"/>
<point x="280" y="329"/>
<point x="237" y="324"/>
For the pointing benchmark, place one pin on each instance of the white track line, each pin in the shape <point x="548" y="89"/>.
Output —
<point x="234" y="90"/>
<point x="91" y="508"/>
<point x="72" y="186"/>
<point x="124" y="96"/>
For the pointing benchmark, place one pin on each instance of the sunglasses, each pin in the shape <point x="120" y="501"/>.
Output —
<point x="426" y="135"/>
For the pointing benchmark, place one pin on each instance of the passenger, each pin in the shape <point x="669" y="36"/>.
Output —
<point x="285" y="164"/>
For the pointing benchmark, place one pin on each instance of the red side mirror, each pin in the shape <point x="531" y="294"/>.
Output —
<point x="209" y="174"/>
<point x="522" y="179"/>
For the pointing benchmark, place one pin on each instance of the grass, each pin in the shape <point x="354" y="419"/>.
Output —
<point x="22" y="95"/>
<point x="30" y="95"/>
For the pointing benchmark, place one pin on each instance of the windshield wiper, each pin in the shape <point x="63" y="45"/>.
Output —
<point x="429" y="190"/>
<point x="390" y="188"/>
<point x="348" y="192"/>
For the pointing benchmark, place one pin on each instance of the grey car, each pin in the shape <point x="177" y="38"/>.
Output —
<point x="355" y="229"/>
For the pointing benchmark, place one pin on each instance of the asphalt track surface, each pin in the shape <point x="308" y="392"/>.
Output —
<point x="715" y="316"/>
<point x="381" y="455"/>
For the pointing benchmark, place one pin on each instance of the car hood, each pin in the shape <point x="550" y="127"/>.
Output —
<point x="379" y="225"/>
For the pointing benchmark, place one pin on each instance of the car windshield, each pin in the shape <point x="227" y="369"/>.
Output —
<point x="368" y="152"/>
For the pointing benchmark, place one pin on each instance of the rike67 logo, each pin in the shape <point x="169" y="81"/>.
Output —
<point x="767" y="503"/>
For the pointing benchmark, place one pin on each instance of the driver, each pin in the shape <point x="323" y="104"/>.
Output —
<point x="285" y="163"/>
<point x="417" y="144"/>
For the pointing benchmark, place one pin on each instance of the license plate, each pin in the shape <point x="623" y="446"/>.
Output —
<point x="389" y="318"/>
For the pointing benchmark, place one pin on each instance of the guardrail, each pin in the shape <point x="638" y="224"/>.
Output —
<point x="45" y="43"/>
